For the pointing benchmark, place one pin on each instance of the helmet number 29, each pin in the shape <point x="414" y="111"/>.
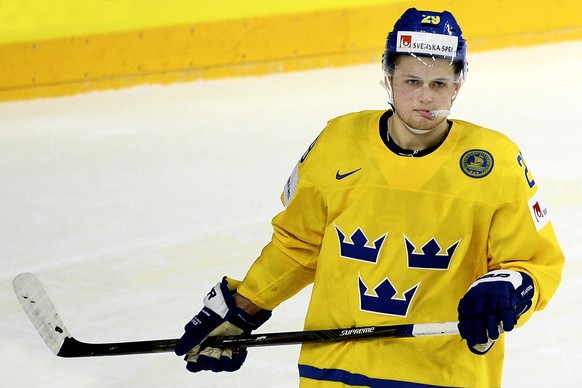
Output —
<point x="431" y="19"/>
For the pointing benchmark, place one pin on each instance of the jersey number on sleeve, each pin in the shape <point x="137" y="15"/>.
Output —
<point x="528" y="177"/>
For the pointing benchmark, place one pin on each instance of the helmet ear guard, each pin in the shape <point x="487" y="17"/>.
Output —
<point x="435" y="35"/>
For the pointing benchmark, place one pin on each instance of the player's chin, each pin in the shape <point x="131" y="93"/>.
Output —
<point x="423" y="123"/>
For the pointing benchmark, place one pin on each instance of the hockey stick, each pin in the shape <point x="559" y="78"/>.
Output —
<point x="49" y="325"/>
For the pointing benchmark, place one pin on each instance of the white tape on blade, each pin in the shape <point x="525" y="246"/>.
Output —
<point x="41" y="311"/>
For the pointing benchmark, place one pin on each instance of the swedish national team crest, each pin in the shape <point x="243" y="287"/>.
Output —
<point x="477" y="163"/>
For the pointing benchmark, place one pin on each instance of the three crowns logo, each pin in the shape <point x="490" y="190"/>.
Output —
<point x="358" y="248"/>
<point x="383" y="298"/>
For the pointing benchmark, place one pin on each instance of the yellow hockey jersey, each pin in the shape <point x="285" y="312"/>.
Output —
<point x="389" y="239"/>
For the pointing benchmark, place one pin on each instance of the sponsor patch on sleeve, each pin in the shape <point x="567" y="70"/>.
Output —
<point x="539" y="211"/>
<point x="291" y="186"/>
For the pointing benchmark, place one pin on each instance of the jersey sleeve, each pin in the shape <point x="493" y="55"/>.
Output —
<point x="522" y="237"/>
<point x="287" y="264"/>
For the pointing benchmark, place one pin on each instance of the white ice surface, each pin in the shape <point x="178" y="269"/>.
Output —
<point x="129" y="205"/>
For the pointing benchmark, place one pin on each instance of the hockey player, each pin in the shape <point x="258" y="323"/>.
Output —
<point x="399" y="216"/>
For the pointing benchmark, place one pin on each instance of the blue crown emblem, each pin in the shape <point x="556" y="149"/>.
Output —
<point x="430" y="257"/>
<point x="385" y="300"/>
<point x="358" y="248"/>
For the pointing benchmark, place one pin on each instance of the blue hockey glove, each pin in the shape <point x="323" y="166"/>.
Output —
<point x="492" y="305"/>
<point x="218" y="317"/>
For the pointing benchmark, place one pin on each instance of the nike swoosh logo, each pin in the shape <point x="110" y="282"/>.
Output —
<point x="339" y="176"/>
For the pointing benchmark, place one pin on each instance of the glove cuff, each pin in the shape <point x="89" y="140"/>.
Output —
<point x="516" y="278"/>
<point x="246" y="321"/>
<point x="220" y="300"/>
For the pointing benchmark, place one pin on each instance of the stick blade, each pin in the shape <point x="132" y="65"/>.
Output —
<point x="40" y="310"/>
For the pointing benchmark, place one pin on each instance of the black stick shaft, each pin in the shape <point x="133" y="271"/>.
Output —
<point x="74" y="348"/>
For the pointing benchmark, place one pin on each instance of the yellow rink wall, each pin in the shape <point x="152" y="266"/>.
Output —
<point x="65" y="47"/>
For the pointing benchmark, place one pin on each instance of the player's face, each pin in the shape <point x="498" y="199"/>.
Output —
<point x="421" y="85"/>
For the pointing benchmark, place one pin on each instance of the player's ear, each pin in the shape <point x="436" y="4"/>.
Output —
<point x="457" y="88"/>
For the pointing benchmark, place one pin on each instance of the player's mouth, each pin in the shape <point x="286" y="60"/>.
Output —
<point x="425" y="113"/>
<point x="431" y="114"/>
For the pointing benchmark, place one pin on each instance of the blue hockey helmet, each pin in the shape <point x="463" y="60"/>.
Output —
<point x="426" y="34"/>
